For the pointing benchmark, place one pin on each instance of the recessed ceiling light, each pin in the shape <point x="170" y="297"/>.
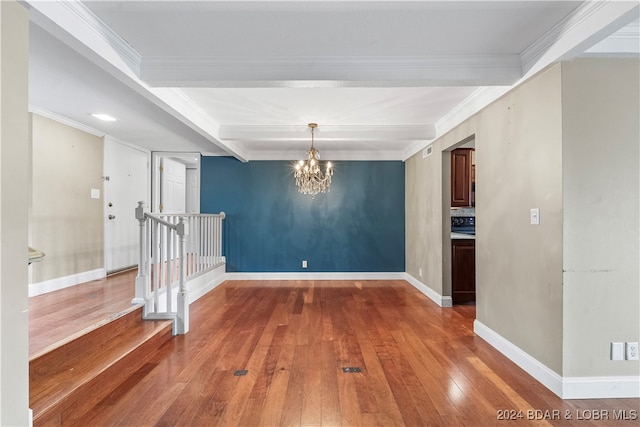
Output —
<point x="104" y="117"/>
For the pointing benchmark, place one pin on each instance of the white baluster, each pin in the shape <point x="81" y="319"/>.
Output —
<point x="159" y="264"/>
<point x="182" y="323"/>
<point x="169" y="272"/>
<point x="219" y="236"/>
<point x="141" y="278"/>
<point x="212" y="242"/>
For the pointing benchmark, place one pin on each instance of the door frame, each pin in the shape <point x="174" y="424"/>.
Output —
<point x="105" y="200"/>
<point x="447" y="261"/>
<point x="191" y="159"/>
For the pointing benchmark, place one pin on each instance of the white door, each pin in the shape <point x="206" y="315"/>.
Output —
<point x="126" y="183"/>
<point x="173" y="185"/>
<point x="193" y="191"/>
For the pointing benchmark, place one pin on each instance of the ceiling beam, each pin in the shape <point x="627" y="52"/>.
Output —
<point x="383" y="71"/>
<point x="588" y="25"/>
<point x="80" y="29"/>
<point x="295" y="133"/>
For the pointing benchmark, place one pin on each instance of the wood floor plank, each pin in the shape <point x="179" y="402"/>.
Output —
<point x="421" y="364"/>
<point x="54" y="316"/>
<point x="330" y="403"/>
<point x="292" y="411"/>
<point x="349" y="403"/>
<point x="275" y="399"/>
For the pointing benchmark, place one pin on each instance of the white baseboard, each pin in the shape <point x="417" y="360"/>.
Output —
<point x="316" y="276"/>
<point x="199" y="286"/>
<point x="65" y="282"/>
<point x="614" y="387"/>
<point x="442" y="301"/>
<point x="533" y="367"/>
<point x="601" y="387"/>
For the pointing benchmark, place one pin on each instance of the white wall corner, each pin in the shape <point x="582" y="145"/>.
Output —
<point x="442" y="301"/>
<point x="529" y="364"/>
<point x="66" y="281"/>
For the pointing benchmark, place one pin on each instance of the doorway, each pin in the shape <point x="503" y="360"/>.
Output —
<point x="126" y="182"/>
<point x="459" y="214"/>
<point x="175" y="183"/>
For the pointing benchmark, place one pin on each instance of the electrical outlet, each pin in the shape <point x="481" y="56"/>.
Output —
<point x="304" y="263"/>
<point x="631" y="351"/>
<point x="617" y="351"/>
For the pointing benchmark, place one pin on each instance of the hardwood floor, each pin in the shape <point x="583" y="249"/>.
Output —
<point x="421" y="365"/>
<point x="56" y="317"/>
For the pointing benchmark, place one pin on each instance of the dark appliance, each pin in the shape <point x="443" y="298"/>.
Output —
<point x="463" y="225"/>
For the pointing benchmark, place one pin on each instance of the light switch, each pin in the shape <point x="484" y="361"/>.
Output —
<point x="535" y="216"/>
<point x="95" y="193"/>
<point x="617" y="351"/>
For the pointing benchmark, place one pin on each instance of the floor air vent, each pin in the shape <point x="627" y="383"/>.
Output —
<point x="351" y="369"/>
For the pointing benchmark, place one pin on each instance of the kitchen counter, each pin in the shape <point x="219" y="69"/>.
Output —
<point x="462" y="236"/>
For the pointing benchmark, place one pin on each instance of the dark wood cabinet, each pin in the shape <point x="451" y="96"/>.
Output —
<point x="461" y="177"/>
<point x="463" y="271"/>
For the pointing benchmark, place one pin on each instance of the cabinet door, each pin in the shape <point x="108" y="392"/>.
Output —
<point x="461" y="177"/>
<point x="463" y="273"/>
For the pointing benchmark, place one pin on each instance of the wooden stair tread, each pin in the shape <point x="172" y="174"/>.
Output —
<point x="59" y="374"/>
<point x="117" y="323"/>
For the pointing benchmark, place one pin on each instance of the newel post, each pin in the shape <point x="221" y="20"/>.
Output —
<point x="182" y="321"/>
<point x="141" y="279"/>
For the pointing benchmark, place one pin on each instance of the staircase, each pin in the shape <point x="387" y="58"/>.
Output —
<point x="175" y="250"/>
<point x="73" y="378"/>
<point x="68" y="381"/>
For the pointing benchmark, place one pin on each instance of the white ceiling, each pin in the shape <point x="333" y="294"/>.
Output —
<point x="382" y="79"/>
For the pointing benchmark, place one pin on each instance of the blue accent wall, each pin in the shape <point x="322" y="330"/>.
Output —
<point x="357" y="227"/>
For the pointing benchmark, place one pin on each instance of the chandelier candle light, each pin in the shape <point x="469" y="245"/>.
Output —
<point x="309" y="176"/>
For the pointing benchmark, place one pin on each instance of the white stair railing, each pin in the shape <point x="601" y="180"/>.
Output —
<point x="173" y="249"/>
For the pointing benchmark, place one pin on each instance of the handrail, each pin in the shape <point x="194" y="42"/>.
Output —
<point x="174" y="248"/>
<point x="160" y="220"/>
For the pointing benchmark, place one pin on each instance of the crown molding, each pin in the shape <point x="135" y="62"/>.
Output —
<point x="73" y="23"/>
<point x="475" y="102"/>
<point x="82" y="24"/>
<point x="295" y="133"/>
<point x="415" y="148"/>
<point x="65" y="121"/>
<point x="111" y="138"/>
<point x="95" y="24"/>
<point x="471" y="70"/>
<point x="471" y="105"/>
<point x="624" y="41"/>
<point x="588" y="24"/>
<point x="205" y="125"/>
<point x="328" y="155"/>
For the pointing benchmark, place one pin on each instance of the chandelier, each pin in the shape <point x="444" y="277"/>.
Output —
<point x="310" y="179"/>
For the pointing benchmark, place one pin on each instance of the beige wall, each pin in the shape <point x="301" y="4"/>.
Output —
<point x="519" y="265"/>
<point x="423" y="218"/>
<point x="518" y="142"/>
<point x="601" y="171"/>
<point x="567" y="142"/>
<point x="14" y="190"/>
<point x="66" y="223"/>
